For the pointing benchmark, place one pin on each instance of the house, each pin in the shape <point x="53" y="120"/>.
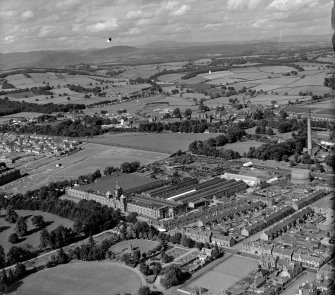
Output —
<point x="198" y="235"/>
<point x="205" y="255"/>
<point x="282" y="253"/>
<point x="223" y="241"/>
<point x="307" y="289"/>
<point x="307" y="259"/>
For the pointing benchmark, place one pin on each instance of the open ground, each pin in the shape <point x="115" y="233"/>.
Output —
<point x="33" y="237"/>
<point x="84" y="278"/>
<point x="164" y="142"/>
<point x="242" y="147"/>
<point x="225" y="274"/>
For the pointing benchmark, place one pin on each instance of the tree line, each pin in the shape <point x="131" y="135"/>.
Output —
<point x="9" y="107"/>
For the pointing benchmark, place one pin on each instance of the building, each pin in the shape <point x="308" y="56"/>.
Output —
<point x="282" y="253"/>
<point x="223" y="241"/>
<point x="309" y="200"/>
<point x="249" y="180"/>
<point x="327" y="271"/>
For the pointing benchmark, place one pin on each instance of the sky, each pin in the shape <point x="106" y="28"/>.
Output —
<point x="27" y="25"/>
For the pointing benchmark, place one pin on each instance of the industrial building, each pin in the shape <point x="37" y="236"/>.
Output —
<point x="156" y="199"/>
<point x="250" y="180"/>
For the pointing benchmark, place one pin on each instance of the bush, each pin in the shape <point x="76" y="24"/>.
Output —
<point x="13" y="238"/>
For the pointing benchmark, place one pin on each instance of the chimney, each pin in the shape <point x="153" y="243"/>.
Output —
<point x="309" y="133"/>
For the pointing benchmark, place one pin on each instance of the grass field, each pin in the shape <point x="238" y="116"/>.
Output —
<point x="242" y="147"/>
<point x="167" y="142"/>
<point x="92" y="157"/>
<point x="34" y="238"/>
<point x="85" y="278"/>
<point x="225" y="274"/>
<point x="138" y="244"/>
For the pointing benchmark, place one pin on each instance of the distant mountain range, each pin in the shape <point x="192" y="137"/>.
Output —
<point x="158" y="51"/>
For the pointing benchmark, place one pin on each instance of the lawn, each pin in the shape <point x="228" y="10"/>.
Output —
<point x="85" y="278"/>
<point x="137" y="244"/>
<point x="242" y="147"/>
<point x="225" y="274"/>
<point x="164" y="142"/>
<point x="32" y="239"/>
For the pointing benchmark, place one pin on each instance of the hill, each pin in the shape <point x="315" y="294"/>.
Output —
<point x="58" y="58"/>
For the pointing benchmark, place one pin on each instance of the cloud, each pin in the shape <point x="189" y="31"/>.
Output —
<point x="134" y="14"/>
<point x="28" y="14"/>
<point x="243" y="4"/>
<point x="67" y="3"/>
<point x="181" y="10"/>
<point x="9" y="39"/>
<point x="7" y="13"/>
<point x="110" y="24"/>
<point x="286" y="5"/>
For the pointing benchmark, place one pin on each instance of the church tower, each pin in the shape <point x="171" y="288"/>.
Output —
<point x="118" y="191"/>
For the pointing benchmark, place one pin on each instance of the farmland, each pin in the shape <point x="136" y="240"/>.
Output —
<point x="33" y="237"/>
<point x="85" y="278"/>
<point x="166" y="143"/>
<point x="225" y="274"/>
<point x="91" y="158"/>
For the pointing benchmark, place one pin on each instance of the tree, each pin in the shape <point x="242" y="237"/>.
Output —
<point x="38" y="221"/>
<point x="17" y="254"/>
<point x="176" y="113"/>
<point x="188" y="113"/>
<point x="125" y="167"/>
<point x="21" y="226"/>
<point x="13" y="238"/>
<point x="2" y="257"/>
<point x="68" y="98"/>
<point x="144" y="290"/>
<point x="132" y="217"/>
<point x="173" y="276"/>
<point x="62" y="256"/>
<point x="11" y="215"/>
<point x="20" y="270"/>
<point x="44" y="239"/>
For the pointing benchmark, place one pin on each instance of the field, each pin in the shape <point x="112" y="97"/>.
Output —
<point x="142" y="245"/>
<point x="167" y="142"/>
<point x="225" y="274"/>
<point x="92" y="157"/>
<point x="34" y="238"/>
<point x="242" y="147"/>
<point x="85" y="278"/>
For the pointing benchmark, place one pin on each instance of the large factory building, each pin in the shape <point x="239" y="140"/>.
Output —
<point x="156" y="199"/>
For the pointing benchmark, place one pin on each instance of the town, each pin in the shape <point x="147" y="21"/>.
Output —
<point x="171" y="167"/>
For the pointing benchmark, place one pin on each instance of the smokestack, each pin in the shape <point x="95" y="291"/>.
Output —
<point x="309" y="133"/>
